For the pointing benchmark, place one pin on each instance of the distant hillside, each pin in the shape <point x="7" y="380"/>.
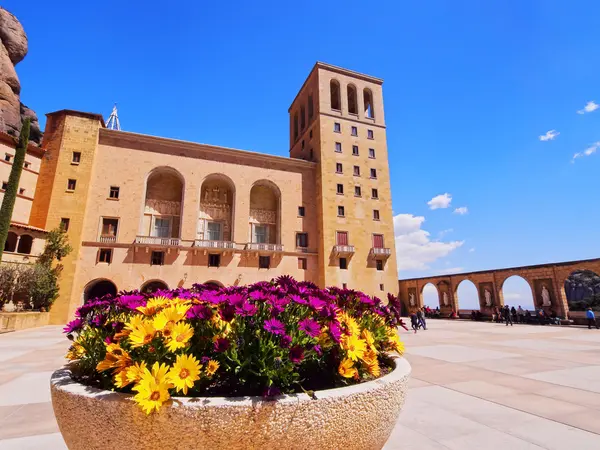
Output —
<point x="583" y="290"/>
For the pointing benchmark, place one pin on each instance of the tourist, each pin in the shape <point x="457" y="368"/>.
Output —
<point x="513" y="313"/>
<point x="507" y="316"/>
<point x="421" y="318"/>
<point x="527" y="316"/>
<point x="542" y="317"/>
<point x="414" y="322"/>
<point x="591" y="318"/>
<point x="520" y="314"/>
<point x="554" y="318"/>
<point x="473" y="316"/>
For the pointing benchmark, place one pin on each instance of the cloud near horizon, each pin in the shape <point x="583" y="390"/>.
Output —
<point x="440" y="201"/>
<point x="589" y="107"/>
<point x="461" y="211"/>
<point x="587" y="152"/>
<point x="414" y="247"/>
<point x="549" y="136"/>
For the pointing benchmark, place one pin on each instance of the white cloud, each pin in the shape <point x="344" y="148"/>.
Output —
<point x="452" y="270"/>
<point x="587" y="152"/>
<point x="471" y="250"/>
<point x="414" y="247"/>
<point x="462" y="210"/>
<point x="589" y="107"/>
<point x="443" y="233"/>
<point x="549" y="136"/>
<point x="440" y="201"/>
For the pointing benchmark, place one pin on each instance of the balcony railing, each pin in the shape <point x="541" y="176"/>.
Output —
<point x="378" y="252"/>
<point x="255" y="246"/>
<point x="214" y="244"/>
<point x="343" y="249"/>
<point x="159" y="241"/>
<point x="107" y="239"/>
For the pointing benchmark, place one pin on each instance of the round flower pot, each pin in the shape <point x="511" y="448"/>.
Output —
<point x="361" y="416"/>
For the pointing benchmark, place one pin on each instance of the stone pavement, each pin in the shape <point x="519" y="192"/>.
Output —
<point x="474" y="385"/>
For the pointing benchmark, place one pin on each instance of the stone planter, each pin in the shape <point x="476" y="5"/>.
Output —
<point x="355" y="417"/>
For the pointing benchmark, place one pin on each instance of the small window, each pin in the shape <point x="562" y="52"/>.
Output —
<point x="374" y="193"/>
<point x="341" y="212"/>
<point x="340" y="189"/>
<point x="310" y="135"/>
<point x="355" y="150"/>
<point x="264" y="262"/>
<point x="369" y="134"/>
<point x="26" y="165"/>
<point x="157" y="259"/>
<point x="375" y="214"/>
<point x="301" y="211"/>
<point x="378" y="241"/>
<point x="302" y="144"/>
<point x="7" y="157"/>
<point x="64" y="223"/>
<point x="357" y="192"/>
<point x="379" y="264"/>
<point x="381" y="287"/>
<point x="356" y="171"/>
<point x="114" y="192"/>
<point x="4" y="185"/>
<point x="343" y="263"/>
<point x="372" y="153"/>
<point x="311" y="154"/>
<point x="21" y="191"/>
<point x="354" y="131"/>
<point x="214" y="260"/>
<point x="105" y="255"/>
<point x="337" y="128"/>
<point x="109" y="228"/>
<point x="338" y="147"/>
<point x="71" y="184"/>
<point x="76" y="158"/>
<point x="344" y="286"/>
<point x="338" y="168"/>
<point x="341" y="237"/>
<point x="302" y="240"/>
<point x="373" y="173"/>
<point x="302" y="263"/>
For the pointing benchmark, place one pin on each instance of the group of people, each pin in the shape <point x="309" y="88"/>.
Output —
<point x="510" y="315"/>
<point x="417" y="319"/>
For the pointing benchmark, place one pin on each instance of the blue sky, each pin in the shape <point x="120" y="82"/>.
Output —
<point x="469" y="88"/>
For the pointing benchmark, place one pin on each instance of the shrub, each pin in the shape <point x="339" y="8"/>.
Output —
<point x="266" y="338"/>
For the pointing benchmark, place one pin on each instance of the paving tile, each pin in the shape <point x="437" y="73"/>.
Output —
<point x="555" y="436"/>
<point x="404" y="438"/>
<point x="458" y="353"/>
<point x="28" y="388"/>
<point x="29" y="420"/>
<point x="52" y="441"/>
<point x="584" y="378"/>
<point x="488" y="439"/>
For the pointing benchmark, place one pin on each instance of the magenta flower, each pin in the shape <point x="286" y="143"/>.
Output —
<point x="316" y="303"/>
<point x="274" y="326"/>
<point x="310" y="327"/>
<point x="296" y="354"/>
<point x="73" y="325"/>
<point x="271" y="392"/>
<point x="221" y="345"/>
<point x="199" y="312"/>
<point x="299" y="300"/>
<point x="335" y="331"/>
<point x="285" y="341"/>
<point x="227" y="313"/>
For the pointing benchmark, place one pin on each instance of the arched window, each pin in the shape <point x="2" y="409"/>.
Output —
<point x="295" y="126"/>
<point x="368" y="103"/>
<point x="516" y="292"/>
<point x="99" y="288"/>
<point x="467" y="296"/>
<point x="334" y="91"/>
<point x="430" y="296"/>
<point x="302" y="117"/>
<point x="264" y="213"/>
<point x="153" y="286"/>
<point x="215" y="222"/>
<point x="25" y="244"/>
<point x="11" y="242"/>
<point x="352" y="105"/>
<point x="163" y="204"/>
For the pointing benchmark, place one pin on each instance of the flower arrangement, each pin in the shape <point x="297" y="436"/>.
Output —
<point x="267" y="338"/>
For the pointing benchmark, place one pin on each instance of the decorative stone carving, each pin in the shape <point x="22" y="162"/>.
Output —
<point x="162" y="207"/>
<point x="264" y="216"/>
<point x="486" y="294"/>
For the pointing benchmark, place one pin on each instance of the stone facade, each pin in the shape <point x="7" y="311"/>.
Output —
<point x="551" y="276"/>
<point x="147" y="212"/>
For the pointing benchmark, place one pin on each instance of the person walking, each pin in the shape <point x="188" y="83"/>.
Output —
<point x="414" y="322"/>
<point x="421" y="318"/>
<point x="513" y="313"/>
<point x="521" y="314"/>
<point x="507" y="316"/>
<point x="591" y="318"/>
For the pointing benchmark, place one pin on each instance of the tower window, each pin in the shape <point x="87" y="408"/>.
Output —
<point x="302" y="118"/>
<point x="114" y="192"/>
<point x="341" y="237"/>
<point x="357" y="192"/>
<point x="352" y="108"/>
<point x="310" y="110"/>
<point x="379" y="264"/>
<point x="373" y="173"/>
<point x="302" y="145"/>
<point x="374" y="193"/>
<point x="341" y="211"/>
<point x="301" y="211"/>
<point x="368" y="103"/>
<point x="343" y="263"/>
<point x="355" y="150"/>
<point x="157" y="259"/>
<point x="76" y="158"/>
<point x="264" y="262"/>
<point x="71" y="184"/>
<point x="354" y="131"/>
<point x="302" y="240"/>
<point x="105" y="255"/>
<point x="369" y="134"/>
<point x="338" y="168"/>
<point x="337" y="128"/>
<point x="21" y="191"/>
<point x="214" y="260"/>
<point x="7" y="157"/>
<point x="375" y="214"/>
<point x="4" y="185"/>
<point x="26" y="164"/>
<point x="372" y="153"/>
<point x="310" y="134"/>
<point x="340" y="189"/>
<point x="381" y="287"/>
<point x="64" y="223"/>
<point x="334" y="91"/>
<point x="356" y="171"/>
<point x="338" y="147"/>
<point x="302" y="264"/>
<point x="295" y="126"/>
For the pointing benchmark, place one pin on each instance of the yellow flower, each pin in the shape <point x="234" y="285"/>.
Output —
<point x="211" y="367"/>
<point x="394" y="341"/>
<point x="354" y="346"/>
<point x="153" y="306"/>
<point x="350" y="324"/>
<point x="115" y="358"/>
<point x="76" y="351"/>
<point x="165" y="321"/>
<point x="373" y="367"/>
<point x="181" y="334"/>
<point x="135" y="372"/>
<point x="121" y="378"/>
<point x="142" y="334"/>
<point x="368" y="337"/>
<point x="347" y="369"/>
<point x="152" y="389"/>
<point x="185" y="372"/>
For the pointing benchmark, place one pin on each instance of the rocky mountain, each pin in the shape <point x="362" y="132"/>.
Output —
<point x="583" y="290"/>
<point x="13" y="48"/>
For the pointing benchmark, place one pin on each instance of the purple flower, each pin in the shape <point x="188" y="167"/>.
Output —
<point x="98" y="320"/>
<point x="73" y="325"/>
<point x="199" y="312"/>
<point x="316" y="303"/>
<point x="299" y="300"/>
<point x="365" y="299"/>
<point x="227" y="313"/>
<point x="329" y="311"/>
<point x="131" y="302"/>
<point x="335" y="331"/>
<point x="117" y="326"/>
<point x="271" y="392"/>
<point x="296" y="354"/>
<point x="318" y="350"/>
<point x="285" y="341"/>
<point x="109" y="340"/>
<point x="205" y="359"/>
<point x="274" y="326"/>
<point x="221" y="345"/>
<point x="310" y="327"/>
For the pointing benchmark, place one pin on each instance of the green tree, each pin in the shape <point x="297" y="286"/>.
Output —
<point x="44" y="288"/>
<point x="8" y="203"/>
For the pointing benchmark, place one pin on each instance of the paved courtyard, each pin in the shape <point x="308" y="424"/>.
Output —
<point x="474" y="385"/>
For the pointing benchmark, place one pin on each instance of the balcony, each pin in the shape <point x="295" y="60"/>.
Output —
<point x="214" y="246"/>
<point x="107" y="239"/>
<point x="380" y="253"/>
<point x="343" y="249"/>
<point x="264" y="248"/>
<point x="157" y="242"/>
